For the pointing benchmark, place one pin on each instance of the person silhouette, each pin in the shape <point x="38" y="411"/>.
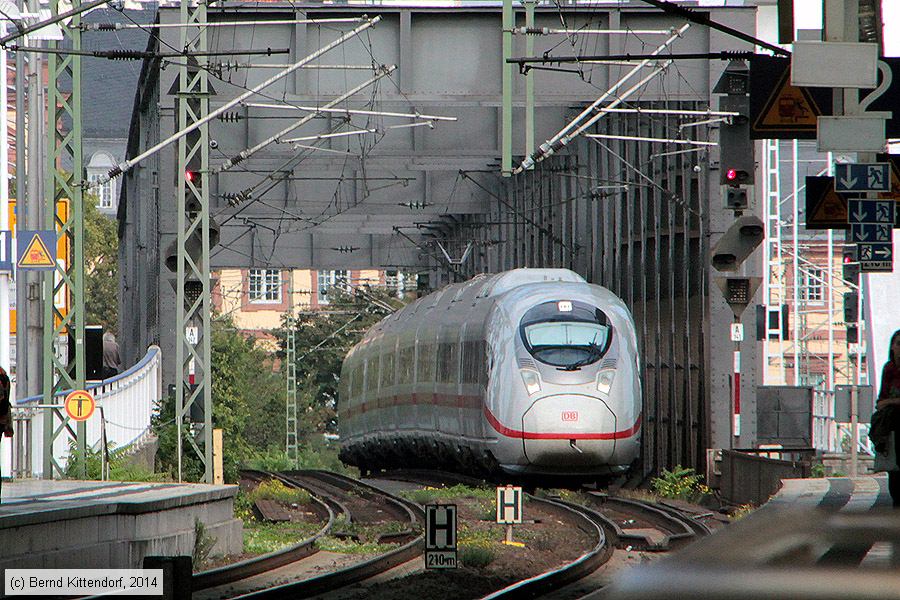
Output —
<point x="888" y="406"/>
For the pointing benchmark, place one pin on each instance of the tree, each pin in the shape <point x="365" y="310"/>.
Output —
<point x="322" y="339"/>
<point x="248" y="404"/>
<point x="101" y="267"/>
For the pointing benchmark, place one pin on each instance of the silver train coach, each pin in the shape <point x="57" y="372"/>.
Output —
<point x="527" y="372"/>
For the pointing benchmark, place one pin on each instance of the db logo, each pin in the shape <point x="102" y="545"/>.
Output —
<point x="570" y="415"/>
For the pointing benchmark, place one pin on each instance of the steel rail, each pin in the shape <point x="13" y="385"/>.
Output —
<point x="587" y="520"/>
<point x="674" y="529"/>
<point x="261" y="564"/>
<point x="578" y="569"/>
<point x="348" y="483"/>
<point x="353" y="573"/>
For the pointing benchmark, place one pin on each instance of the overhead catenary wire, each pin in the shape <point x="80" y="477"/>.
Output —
<point x="52" y="20"/>
<point x="637" y="138"/>
<point x="247" y="153"/>
<point x="129" y="54"/>
<point x="566" y="133"/>
<point x="351" y="111"/>
<point x="129" y="163"/>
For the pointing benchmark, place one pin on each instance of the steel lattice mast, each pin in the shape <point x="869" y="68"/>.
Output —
<point x="192" y="324"/>
<point x="65" y="171"/>
<point x="291" y="380"/>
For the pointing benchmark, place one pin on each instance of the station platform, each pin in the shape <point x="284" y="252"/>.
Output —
<point x="96" y="524"/>
<point x="815" y="539"/>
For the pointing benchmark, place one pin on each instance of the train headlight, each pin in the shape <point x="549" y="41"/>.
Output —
<point x="605" y="380"/>
<point x="532" y="381"/>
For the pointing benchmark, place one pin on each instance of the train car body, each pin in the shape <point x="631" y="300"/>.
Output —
<point x="527" y="372"/>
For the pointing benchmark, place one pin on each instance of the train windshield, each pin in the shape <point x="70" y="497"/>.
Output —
<point x="566" y="334"/>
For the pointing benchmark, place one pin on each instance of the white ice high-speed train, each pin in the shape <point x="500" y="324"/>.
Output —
<point x="531" y="371"/>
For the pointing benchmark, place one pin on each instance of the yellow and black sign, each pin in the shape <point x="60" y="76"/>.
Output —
<point x="779" y="110"/>
<point x="825" y="208"/>
<point x="35" y="252"/>
<point x="63" y="247"/>
<point x="80" y="405"/>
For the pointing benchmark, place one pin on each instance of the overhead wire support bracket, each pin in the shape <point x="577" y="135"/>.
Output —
<point x="128" y="164"/>
<point x="248" y="152"/>
<point x="523" y="61"/>
<point x="564" y="136"/>
<point x="127" y="54"/>
<point x="145" y="26"/>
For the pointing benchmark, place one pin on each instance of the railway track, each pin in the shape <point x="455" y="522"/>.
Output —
<point x="611" y="523"/>
<point x="338" y="496"/>
<point x="646" y="526"/>
<point x="615" y="523"/>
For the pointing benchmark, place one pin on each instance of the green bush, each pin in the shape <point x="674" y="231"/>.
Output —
<point x="121" y="467"/>
<point x="477" y="555"/>
<point x="680" y="484"/>
<point x="203" y="545"/>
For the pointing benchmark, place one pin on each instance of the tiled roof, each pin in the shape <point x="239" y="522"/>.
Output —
<point x="108" y="86"/>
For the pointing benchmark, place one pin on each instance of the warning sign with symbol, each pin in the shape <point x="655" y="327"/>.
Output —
<point x="36" y="250"/>
<point x="80" y="405"/>
<point x="825" y="208"/>
<point x="779" y="110"/>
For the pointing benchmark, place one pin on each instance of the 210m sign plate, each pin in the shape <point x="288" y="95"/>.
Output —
<point x="440" y="536"/>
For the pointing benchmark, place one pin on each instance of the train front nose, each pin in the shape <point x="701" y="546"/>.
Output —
<point x="569" y="430"/>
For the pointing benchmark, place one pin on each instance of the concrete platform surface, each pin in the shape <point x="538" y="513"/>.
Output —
<point x="95" y="524"/>
<point x="37" y="500"/>
<point x="834" y="493"/>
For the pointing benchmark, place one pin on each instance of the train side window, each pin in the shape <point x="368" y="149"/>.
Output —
<point x="387" y="369"/>
<point x="405" y="368"/>
<point x="448" y="365"/>
<point x="364" y="377"/>
<point x="426" y="360"/>
<point x="345" y="385"/>
<point x="356" y="379"/>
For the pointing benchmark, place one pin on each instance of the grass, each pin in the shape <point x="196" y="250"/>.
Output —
<point x="315" y="453"/>
<point x="272" y="489"/>
<point x="477" y="556"/>
<point x="429" y="495"/>
<point x="348" y="546"/>
<point x="637" y="494"/>
<point x="262" y="538"/>
<point x="741" y="511"/>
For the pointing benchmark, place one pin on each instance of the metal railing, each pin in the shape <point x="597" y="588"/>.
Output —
<point x="125" y="404"/>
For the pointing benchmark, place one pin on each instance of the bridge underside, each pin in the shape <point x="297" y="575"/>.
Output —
<point x="629" y="215"/>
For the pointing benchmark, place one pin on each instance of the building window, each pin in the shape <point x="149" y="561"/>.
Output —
<point x="103" y="191"/>
<point x="265" y="286"/>
<point x="327" y="279"/>
<point x="398" y="282"/>
<point x="812" y="288"/>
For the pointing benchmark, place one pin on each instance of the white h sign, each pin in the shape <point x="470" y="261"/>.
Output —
<point x="509" y="504"/>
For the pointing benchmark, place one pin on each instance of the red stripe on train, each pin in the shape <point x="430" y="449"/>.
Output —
<point x="533" y="435"/>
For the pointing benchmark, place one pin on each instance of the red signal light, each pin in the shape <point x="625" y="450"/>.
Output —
<point x="190" y="176"/>
<point x="731" y="174"/>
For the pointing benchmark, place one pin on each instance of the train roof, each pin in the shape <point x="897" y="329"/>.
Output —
<point x="469" y="293"/>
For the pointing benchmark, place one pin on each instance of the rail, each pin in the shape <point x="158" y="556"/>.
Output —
<point x="125" y="404"/>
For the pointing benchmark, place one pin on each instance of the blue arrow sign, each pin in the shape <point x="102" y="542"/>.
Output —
<point x="863" y="177"/>
<point x="871" y="232"/>
<point x="870" y="211"/>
